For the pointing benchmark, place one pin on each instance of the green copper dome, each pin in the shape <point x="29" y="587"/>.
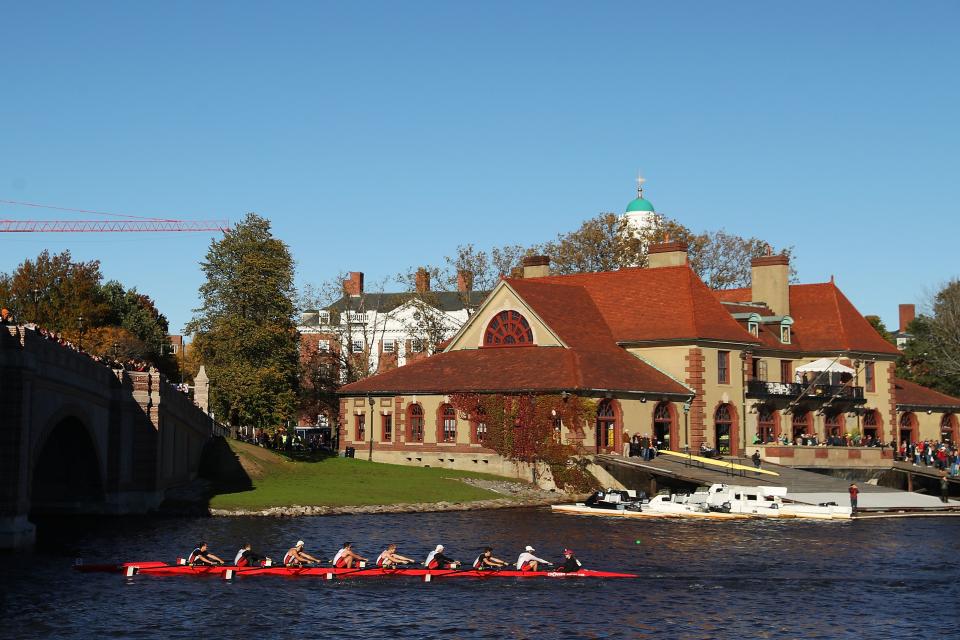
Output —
<point x="640" y="204"/>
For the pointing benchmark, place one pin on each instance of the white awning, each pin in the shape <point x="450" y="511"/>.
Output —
<point x="825" y="364"/>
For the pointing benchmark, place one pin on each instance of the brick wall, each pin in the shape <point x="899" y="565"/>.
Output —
<point x="695" y="372"/>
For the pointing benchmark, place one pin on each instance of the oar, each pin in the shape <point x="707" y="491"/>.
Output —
<point x="429" y="576"/>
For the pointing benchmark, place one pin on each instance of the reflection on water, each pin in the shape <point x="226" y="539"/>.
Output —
<point x="738" y="579"/>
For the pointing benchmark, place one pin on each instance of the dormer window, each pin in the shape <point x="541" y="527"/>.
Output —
<point x="754" y="329"/>
<point x="785" y="323"/>
<point x="324" y="318"/>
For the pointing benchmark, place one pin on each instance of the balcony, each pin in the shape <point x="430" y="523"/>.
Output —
<point x="792" y="390"/>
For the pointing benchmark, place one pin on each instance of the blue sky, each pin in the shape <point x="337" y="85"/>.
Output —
<point x="376" y="136"/>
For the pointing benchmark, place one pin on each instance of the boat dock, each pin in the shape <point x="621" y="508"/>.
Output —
<point x="682" y="473"/>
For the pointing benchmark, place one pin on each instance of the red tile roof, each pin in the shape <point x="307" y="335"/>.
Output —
<point x="912" y="394"/>
<point x="666" y="303"/>
<point x="512" y="369"/>
<point x="824" y="320"/>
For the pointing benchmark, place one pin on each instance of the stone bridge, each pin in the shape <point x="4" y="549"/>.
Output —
<point x="77" y="437"/>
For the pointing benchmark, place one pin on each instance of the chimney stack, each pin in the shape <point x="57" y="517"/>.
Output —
<point x="464" y="281"/>
<point x="907" y="313"/>
<point x="536" y="266"/>
<point x="423" y="280"/>
<point x="353" y="286"/>
<point x="666" y="254"/>
<point x="770" y="282"/>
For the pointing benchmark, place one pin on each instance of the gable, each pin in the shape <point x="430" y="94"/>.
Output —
<point x="503" y="298"/>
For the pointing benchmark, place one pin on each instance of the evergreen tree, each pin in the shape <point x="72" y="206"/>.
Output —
<point x="245" y="331"/>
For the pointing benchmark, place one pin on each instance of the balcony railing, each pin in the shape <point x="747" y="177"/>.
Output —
<point x="791" y="390"/>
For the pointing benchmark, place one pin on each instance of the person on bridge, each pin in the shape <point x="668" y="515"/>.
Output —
<point x="486" y="561"/>
<point x="854" y="491"/>
<point x="529" y="562"/>
<point x="297" y="557"/>
<point x="346" y="558"/>
<point x="390" y="559"/>
<point x="202" y="555"/>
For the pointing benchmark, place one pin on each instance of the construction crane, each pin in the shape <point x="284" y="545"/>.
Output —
<point x="125" y="223"/>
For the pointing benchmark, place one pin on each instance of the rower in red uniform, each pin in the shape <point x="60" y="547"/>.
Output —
<point x="346" y="558"/>
<point x="201" y="555"/>
<point x="247" y="558"/>
<point x="529" y="562"/>
<point x="486" y="561"/>
<point x="389" y="558"/>
<point x="297" y="557"/>
<point x="436" y="560"/>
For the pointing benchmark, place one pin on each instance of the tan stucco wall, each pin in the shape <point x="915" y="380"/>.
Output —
<point x="503" y="299"/>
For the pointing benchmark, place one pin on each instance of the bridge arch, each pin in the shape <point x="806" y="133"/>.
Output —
<point x="67" y="471"/>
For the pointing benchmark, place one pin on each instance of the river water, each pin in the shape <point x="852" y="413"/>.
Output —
<point x="872" y="579"/>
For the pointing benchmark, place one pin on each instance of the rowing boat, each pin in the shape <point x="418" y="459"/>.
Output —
<point x="330" y="573"/>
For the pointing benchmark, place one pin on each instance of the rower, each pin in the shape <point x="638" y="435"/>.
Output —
<point x="390" y="558"/>
<point x="296" y="556"/>
<point x="486" y="561"/>
<point x="201" y="555"/>
<point x="436" y="560"/>
<point x="529" y="562"/>
<point x="346" y="557"/>
<point x="246" y="557"/>
<point x="570" y="563"/>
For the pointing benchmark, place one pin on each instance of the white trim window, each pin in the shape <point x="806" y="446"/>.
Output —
<point x="389" y="345"/>
<point x="416" y="345"/>
<point x="323" y="346"/>
<point x="323" y="318"/>
<point x="357" y="345"/>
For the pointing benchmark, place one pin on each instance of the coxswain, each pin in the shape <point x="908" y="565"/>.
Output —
<point x="247" y="558"/>
<point x="529" y="562"/>
<point x="570" y="563"/>
<point x="296" y="556"/>
<point x="201" y="555"/>
<point x="436" y="560"/>
<point x="346" y="558"/>
<point x="390" y="558"/>
<point x="486" y="561"/>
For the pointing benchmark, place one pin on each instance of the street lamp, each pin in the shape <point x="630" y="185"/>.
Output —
<point x="80" y="327"/>
<point x="370" y="452"/>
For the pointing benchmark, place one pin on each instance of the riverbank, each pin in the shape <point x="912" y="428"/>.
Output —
<point x="265" y="483"/>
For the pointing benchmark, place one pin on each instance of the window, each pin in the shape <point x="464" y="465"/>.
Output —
<point x="662" y="425"/>
<point x="388" y="428"/>
<point x="416" y="345"/>
<point x="754" y="328"/>
<point x="723" y="428"/>
<point x="801" y="424"/>
<point x="389" y="345"/>
<point x="358" y="346"/>
<point x="361" y="427"/>
<point x="766" y="424"/>
<point x="323" y="346"/>
<point x="948" y="425"/>
<point x="448" y="423"/>
<point x="174" y="348"/>
<point x="833" y="424"/>
<point x="870" y="425"/>
<point x="785" y="333"/>
<point x="479" y="426"/>
<point x="508" y="329"/>
<point x="324" y="318"/>
<point x="907" y="423"/>
<point x="723" y="367"/>
<point x="606" y="426"/>
<point x="759" y="371"/>
<point x="786" y="371"/>
<point x="869" y="377"/>
<point x="415" y="423"/>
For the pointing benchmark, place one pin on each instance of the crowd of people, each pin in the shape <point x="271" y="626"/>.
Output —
<point x="944" y="456"/>
<point x="284" y="440"/>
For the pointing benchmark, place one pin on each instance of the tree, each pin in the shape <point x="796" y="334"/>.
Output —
<point x="245" y="331"/>
<point x="932" y="357"/>
<point x="880" y="328"/>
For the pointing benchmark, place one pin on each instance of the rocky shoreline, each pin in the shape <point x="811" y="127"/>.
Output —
<point x="516" y="495"/>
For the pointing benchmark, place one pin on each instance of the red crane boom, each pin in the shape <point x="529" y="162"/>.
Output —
<point x="100" y="226"/>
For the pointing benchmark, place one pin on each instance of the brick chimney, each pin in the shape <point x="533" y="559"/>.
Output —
<point x="423" y="280"/>
<point x="353" y="286"/>
<point x="770" y="282"/>
<point x="536" y="266"/>
<point x="907" y="313"/>
<point x="667" y="254"/>
<point x="464" y="281"/>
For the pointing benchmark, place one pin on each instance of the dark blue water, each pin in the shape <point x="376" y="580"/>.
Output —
<point x="741" y="579"/>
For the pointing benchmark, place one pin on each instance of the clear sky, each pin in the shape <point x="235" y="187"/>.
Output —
<point x="378" y="136"/>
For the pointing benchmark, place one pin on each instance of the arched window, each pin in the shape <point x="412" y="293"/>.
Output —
<point x="414" y="423"/>
<point x="801" y="424"/>
<point x="948" y="427"/>
<point x="447" y="429"/>
<point x="662" y="425"/>
<point x="508" y="329"/>
<point x="606" y="426"/>
<point x="479" y="426"/>
<point x="723" y="428"/>
<point x="871" y="426"/>
<point x="833" y="425"/>
<point x="908" y="423"/>
<point x="766" y="424"/>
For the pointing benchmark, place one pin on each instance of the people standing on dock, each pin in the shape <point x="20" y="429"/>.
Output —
<point x="944" y="488"/>
<point x="756" y="458"/>
<point x="854" y="492"/>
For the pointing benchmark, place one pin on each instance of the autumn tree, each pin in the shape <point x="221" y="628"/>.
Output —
<point x="245" y="330"/>
<point x="932" y="356"/>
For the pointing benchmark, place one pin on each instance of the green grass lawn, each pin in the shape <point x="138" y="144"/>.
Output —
<point x="280" y="481"/>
